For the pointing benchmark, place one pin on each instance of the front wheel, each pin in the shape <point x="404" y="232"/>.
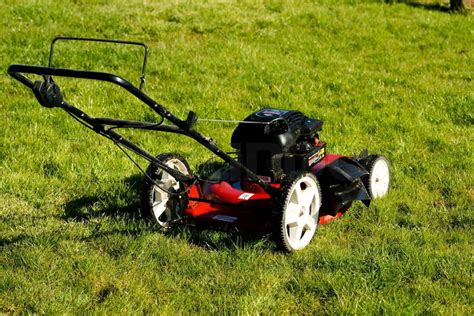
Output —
<point x="378" y="181"/>
<point x="161" y="198"/>
<point x="296" y="211"/>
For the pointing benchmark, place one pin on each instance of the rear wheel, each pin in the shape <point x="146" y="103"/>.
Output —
<point x="296" y="213"/>
<point x="160" y="200"/>
<point x="378" y="181"/>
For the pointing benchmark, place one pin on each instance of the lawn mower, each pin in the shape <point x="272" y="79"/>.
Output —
<point x="281" y="180"/>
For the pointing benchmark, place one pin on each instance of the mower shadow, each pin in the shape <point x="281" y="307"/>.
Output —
<point x="95" y="206"/>
<point x="103" y="205"/>
<point x="218" y="239"/>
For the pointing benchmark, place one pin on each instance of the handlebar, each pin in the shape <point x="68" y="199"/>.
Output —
<point x="49" y="95"/>
<point x="18" y="71"/>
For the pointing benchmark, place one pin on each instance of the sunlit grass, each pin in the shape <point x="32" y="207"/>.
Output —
<point x="395" y="79"/>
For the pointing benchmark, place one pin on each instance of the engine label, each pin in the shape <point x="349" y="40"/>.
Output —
<point x="245" y="196"/>
<point x="317" y="157"/>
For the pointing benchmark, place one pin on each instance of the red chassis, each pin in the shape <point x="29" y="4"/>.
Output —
<point x="245" y="204"/>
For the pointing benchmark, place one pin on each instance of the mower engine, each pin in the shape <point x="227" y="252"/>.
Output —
<point x="273" y="143"/>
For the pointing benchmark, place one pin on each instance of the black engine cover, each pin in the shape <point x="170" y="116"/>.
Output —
<point x="273" y="142"/>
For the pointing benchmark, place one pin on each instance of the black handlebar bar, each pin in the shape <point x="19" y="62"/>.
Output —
<point x="47" y="97"/>
<point x="184" y="127"/>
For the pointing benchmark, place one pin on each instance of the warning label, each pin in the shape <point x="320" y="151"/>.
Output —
<point x="245" y="196"/>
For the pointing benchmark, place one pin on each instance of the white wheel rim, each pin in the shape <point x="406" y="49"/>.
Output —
<point x="301" y="213"/>
<point x="379" y="178"/>
<point x="161" y="204"/>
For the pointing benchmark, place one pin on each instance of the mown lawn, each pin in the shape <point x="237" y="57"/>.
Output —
<point x="393" y="78"/>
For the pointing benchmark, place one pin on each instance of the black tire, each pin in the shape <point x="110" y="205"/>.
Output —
<point x="175" y="203"/>
<point x="281" y="228"/>
<point x="372" y="182"/>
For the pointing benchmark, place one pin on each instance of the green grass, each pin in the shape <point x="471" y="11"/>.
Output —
<point x="393" y="78"/>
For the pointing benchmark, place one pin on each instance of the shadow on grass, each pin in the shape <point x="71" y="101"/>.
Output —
<point x="86" y="208"/>
<point x="126" y="205"/>
<point x="426" y="6"/>
<point x="218" y="239"/>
